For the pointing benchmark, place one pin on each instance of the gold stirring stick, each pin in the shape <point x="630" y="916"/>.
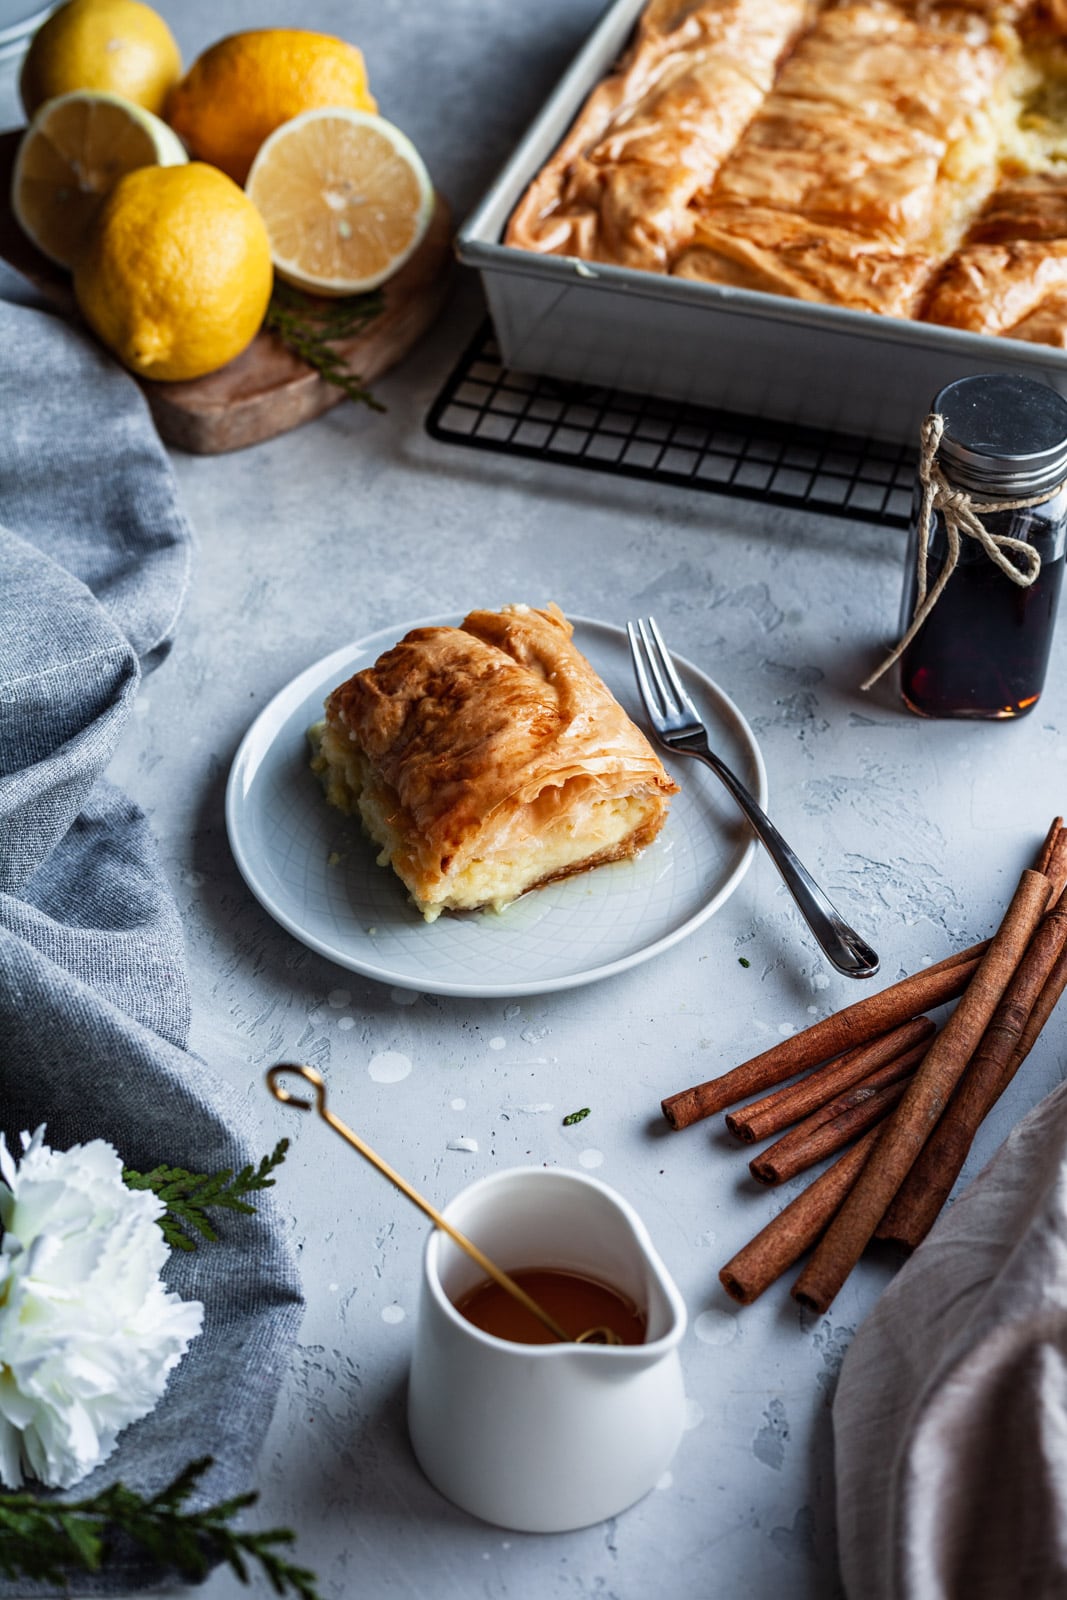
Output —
<point x="498" y="1275"/>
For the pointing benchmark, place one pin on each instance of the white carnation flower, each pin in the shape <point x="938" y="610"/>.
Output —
<point x="88" y="1331"/>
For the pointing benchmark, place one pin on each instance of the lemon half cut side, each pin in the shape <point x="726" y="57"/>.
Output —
<point x="70" y="158"/>
<point x="345" y="197"/>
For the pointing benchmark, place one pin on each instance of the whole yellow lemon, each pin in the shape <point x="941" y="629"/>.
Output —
<point x="248" y="84"/>
<point x="121" y="46"/>
<point x="176" y="275"/>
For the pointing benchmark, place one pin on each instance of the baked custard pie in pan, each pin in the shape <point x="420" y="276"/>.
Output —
<point x="489" y="759"/>
<point x="908" y="159"/>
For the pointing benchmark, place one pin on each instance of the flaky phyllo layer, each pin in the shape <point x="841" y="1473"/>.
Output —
<point x="851" y="154"/>
<point x="489" y="759"/>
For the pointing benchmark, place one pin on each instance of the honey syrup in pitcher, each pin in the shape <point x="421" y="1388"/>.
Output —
<point x="577" y="1303"/>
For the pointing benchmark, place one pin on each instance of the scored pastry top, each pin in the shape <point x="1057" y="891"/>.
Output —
<point x="460" y="722"/>
<point x="849" y="153"/>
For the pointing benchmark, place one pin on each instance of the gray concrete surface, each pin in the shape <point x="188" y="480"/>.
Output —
<point x="917" y="829"/>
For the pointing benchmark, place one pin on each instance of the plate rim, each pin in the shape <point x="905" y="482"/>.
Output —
<point x="381" y="638"/>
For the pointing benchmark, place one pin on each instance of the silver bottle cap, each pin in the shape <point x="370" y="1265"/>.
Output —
<point x="1005" y="435"/>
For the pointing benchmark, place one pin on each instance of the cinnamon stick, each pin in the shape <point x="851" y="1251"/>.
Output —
<point x="911" y="1123"/>
<point x="795" y="1229"/>
<point x="972" y="952"/>
<point x="1045" y="853"/>
<point x="1043" y="1009"/>
<point x="1055" y="867"/>
<point x="996" y="1061"/>
<point x="762" y="1119"/>
<point x="857" y="1024"/>
<point x="829" y="1137"/>
<point x="837" y="1124"/>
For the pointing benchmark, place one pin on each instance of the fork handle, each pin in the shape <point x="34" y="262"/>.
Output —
<point x="841" y="944"/>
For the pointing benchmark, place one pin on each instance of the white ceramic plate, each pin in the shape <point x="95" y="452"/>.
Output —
<point x="315" y="871"/>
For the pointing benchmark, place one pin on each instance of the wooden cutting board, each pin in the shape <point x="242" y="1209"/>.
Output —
<point x="267" y="390"/>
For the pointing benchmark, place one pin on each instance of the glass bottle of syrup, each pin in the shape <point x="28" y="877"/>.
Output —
<point x="984" y="647"/>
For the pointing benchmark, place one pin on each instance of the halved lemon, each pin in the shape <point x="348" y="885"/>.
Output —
<point x="72" y="155"/>
<point x="346" y="199"/>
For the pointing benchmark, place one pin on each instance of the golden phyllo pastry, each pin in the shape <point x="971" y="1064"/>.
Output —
<point x="1010" y="276"/>
<point x="490" y="759"/>
<point x="904" y="157"/>
<point x="654" y="134"/>
<point x="857" y="174"/>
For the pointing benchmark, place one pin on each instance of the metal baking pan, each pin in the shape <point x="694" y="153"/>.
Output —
<point x="760" y="354"/>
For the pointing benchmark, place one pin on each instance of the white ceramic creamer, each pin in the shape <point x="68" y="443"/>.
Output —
<point x="542" y="1438"/>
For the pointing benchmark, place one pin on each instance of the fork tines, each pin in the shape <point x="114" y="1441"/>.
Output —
<point x="666" y="701"/>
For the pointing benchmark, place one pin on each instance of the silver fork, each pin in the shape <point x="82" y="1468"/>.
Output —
<point x="676" y="723"/>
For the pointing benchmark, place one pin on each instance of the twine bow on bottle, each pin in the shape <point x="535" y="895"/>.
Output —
<point x="961" y="516"/>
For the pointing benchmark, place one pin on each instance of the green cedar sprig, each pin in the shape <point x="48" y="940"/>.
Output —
<point x="310" y="329"/>
<point x="187" y="1195"/>
<point x="44" y="1539"/>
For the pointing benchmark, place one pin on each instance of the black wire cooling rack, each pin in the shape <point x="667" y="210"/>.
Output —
<point x="487" y="407"/>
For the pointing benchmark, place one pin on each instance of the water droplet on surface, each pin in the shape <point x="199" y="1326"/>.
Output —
<point x="716" y="1327"/>
<point x="389" y="1066"/>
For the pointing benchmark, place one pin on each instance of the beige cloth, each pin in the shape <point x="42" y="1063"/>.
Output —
<point x="950" y="1418"/>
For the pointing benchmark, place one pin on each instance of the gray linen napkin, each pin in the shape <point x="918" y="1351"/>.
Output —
<point x="94" y="1007"/>
<point x="950" y="1418"/>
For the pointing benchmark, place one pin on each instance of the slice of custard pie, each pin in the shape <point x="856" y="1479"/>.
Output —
<point x="489" y="759"/>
